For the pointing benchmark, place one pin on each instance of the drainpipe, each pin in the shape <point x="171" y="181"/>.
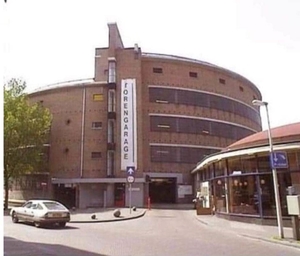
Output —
<point x="82" y="133"/>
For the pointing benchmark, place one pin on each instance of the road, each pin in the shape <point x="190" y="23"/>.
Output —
<point x="159" y="232"/>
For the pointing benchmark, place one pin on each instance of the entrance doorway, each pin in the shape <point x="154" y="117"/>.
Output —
<point x="163" y="190"/>
<point x="65" y="194"/>
<point x="120" y="194"/>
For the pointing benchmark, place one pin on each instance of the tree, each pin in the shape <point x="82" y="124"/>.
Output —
<point x="26" y="130"/>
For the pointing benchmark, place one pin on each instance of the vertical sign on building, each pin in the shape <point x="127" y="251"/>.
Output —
<point x="128" y="124"/>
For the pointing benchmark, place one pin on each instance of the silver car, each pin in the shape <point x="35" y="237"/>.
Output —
<point x="41" y="212"/>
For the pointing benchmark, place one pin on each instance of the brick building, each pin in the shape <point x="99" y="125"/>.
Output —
<point x="158" y="114"/>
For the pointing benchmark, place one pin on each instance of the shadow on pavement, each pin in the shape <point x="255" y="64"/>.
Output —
<point x="14" y="247"/>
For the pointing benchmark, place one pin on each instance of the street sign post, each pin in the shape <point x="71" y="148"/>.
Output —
<point x="130" y="179"/>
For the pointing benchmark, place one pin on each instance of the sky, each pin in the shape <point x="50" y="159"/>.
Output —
<point x="51" y="41"/>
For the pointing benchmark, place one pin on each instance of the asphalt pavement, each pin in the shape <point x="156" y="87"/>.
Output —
<point x="249" y="230"/>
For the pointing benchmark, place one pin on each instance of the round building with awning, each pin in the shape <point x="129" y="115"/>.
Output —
<point x="237" y="182"/>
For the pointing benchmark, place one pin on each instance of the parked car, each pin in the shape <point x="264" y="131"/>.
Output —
<point x="41" y="212"/>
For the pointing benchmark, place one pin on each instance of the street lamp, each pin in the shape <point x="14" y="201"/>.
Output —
<point x="274" y="171"/>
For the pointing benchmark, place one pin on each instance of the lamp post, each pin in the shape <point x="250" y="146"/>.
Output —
<point x="274" y="171"/>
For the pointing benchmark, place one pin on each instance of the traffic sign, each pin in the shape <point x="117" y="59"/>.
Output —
<point x="130" y="170"/>
<point x="130" y="179"/>
<point x="279" y="160"/>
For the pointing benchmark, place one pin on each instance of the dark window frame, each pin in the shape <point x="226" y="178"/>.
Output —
<point x="157" y="70"/>
<point x="96" y="155"/>
<point x="193" y="74"/>
<point x="94" y="125"/>
<point x="222" y="81"/>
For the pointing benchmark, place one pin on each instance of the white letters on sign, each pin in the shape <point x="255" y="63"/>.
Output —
<point x="128" y="124"/>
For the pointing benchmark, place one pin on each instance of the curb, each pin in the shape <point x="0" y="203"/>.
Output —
<point x="274" y="241"/>
<point x="109" y="220"/>
<point x="292" y="243"/>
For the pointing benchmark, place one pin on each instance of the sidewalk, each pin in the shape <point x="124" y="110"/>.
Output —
<point x="104" y="215"/>
<point x="253" y="231"/>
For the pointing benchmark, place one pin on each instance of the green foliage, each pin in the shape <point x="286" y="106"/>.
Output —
<point x="26" y="130"/>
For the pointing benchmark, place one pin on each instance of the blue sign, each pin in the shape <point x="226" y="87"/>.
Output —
<point x="279" y="160"/>
<point x="130" y="170"/>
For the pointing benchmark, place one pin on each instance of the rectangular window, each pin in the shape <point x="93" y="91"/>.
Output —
<point x="163" y="126"/>
<point x="162" y="101"/>
<point x="110" y="163"/>
<point x="194" y="74"/>
<point x="97" y="125"/>
<point x="97" y="97"/>
<point x="157" y="70"/>
<point x="222" y="81"/>
<point x="112" y="72"/>
<point x="111" y="101"/>
<point x="96" y="155"/>
<point x="241" y="89"/>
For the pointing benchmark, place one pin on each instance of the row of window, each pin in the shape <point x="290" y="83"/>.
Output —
<point x="191" y="74"/>
<point x="202" y="99"/>
<point x="158" y="70"/>
<point x="167" y="154"/>
<point x="197" y="126"/>
<point x="246" y="164"/>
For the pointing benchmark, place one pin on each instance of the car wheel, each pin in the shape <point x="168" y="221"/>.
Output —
<point x="14" y="218"/>
<point x="62" y="224"/>
<point x="37" y="224"/>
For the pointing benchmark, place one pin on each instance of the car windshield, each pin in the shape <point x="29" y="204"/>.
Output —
<point x="54" y="206"/>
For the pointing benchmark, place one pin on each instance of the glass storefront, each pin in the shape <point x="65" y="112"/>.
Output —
<point x="243" y="195"/>
<point x="244" y="185"/>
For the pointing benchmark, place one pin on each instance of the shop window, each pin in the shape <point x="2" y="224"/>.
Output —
<point x="243" y="195"/>
<point x="242" y="164"/>
<point x="220" y="195"/>
<point x="220" y="168"/>
<point x="264" y="164"/>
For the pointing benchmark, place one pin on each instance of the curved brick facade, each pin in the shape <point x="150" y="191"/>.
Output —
<point x="184" y="109"/>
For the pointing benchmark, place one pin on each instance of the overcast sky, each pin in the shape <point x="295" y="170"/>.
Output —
<point x="50" y="41"/>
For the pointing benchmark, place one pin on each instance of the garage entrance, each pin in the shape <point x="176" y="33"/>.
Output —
<point x="163" y="190"/>
<point x="65" y="194"/>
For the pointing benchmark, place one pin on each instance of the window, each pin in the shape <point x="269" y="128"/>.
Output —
<point x="97" y="125"/>
<point x="110" y="163"/>
<point x="112" y="72"/>
<point x="157" y="70"/>
<point x="241" y="89"/>
<point x="110" y="131"/>
<point x="111" y="101"/>
<point x="222" y="81"/>
<point x="163" y="126"/>
<point x="97" y="97"/>
<point x="194" y="74"/>
<point x="96" y="155"/>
